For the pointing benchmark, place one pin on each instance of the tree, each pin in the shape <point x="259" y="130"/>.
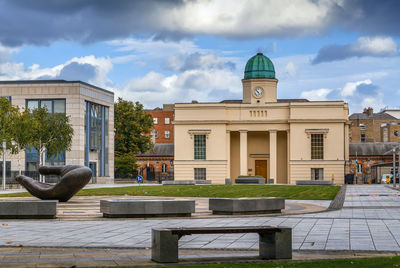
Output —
<point x="132" y="128"/>
<point x="9" y="116"/>
<point x="48" y="132"/>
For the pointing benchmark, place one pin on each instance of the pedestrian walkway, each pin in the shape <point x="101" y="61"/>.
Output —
<point x="356" y="227"/>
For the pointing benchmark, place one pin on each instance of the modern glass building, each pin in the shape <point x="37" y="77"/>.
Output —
<point x="91" y="112"/>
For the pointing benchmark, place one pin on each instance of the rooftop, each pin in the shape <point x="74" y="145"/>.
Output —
<point x="27" y="82"/>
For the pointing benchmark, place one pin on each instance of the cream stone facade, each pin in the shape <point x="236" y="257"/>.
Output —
<point x="261" y="135"/>
<point x="91" y="112"/>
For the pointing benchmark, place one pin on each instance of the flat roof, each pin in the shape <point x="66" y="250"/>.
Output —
<point x="16" y="82"/>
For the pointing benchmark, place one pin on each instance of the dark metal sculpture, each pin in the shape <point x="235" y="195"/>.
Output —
<point x="73" y="178"/>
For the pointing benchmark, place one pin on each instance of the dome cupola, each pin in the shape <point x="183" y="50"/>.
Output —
<point x="259" y="66"/>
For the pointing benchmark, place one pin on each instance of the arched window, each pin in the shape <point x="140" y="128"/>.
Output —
<point x="164" y="168"/>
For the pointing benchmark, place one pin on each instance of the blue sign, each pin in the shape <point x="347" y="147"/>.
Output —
<point x="139" y="179"/>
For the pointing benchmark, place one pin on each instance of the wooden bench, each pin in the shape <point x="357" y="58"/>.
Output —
<point x="274" y="242"/>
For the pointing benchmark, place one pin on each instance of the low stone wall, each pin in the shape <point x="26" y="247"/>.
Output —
<point x="250" y="180"/>
<point x="186" y="182"/>
<point x="311" y="182"/>
<point x="146" y="208"/>
<point x="231" y="206"/>
<point x="28" y="209"/>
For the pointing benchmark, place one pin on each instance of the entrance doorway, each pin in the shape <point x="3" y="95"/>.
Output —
<point x="150" y="174"/>
<point x="261" y="168"/>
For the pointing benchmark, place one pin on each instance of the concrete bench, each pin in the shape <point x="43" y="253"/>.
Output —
<point x="186" y="182"/>
<point x="28" y="209"/>
<point x="179" y="182"/>
<point x="250" y="180"/>
<point x="233" y="206"/>
<point x="146" y="208"/>
<point x="274" y="242"/>
<point x="312" y="182"/>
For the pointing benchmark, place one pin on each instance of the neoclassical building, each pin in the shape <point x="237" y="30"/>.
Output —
<point x="281" y="139"/>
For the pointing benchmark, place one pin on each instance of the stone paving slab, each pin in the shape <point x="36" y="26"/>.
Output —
<point x="367" y="228"/>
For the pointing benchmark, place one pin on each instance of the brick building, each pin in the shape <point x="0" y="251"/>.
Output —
<point x="369" y="126"/>
<point x="157" y="164"/>
<point x="163" y="131"/>
<point x="374" y="159"/>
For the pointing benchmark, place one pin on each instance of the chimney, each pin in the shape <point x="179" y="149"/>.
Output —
<point x="370" y="111"/>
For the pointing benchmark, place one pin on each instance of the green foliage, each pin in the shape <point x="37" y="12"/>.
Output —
<point x="124" y="165"/>
<point x="132" y="125"/>
<point x="9" y="116"/>
<point x="51" y="132"/>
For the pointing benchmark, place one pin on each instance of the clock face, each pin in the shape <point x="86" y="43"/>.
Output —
<point x="258" y="92"/>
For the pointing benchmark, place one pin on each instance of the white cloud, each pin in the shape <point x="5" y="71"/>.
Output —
<point x="350" y="88"/>
<point x="377" y="46"/>
<point x="291" y="69"/>
<point x="154" y="89"/>
<point x="249" y="18"/>
<point x="18" y="71"/>
<point x="316" y="95"/>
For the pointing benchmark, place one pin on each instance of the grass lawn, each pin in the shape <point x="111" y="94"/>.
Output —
<point x="286" y="191"/>
<point x="380" y="262"/>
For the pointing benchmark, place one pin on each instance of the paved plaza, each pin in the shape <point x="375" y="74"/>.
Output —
<point x="368" y="221"/>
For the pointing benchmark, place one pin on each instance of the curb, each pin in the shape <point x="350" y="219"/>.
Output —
<point x="338" y="201"/>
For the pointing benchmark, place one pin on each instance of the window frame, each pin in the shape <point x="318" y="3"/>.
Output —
<point x="155" y="121"/>
<point x="319" y="172"/>
<point x="167" y="121"/>
<point x="167" y="134"/>
<point x="317" y="146"/>
<point x="363" y="137"/>
<point x="200" y="174"/>
<point x="200" y="147"/>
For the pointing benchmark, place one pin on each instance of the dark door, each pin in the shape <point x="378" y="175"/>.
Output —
<point x="261" y="168"/>
<point x="93" y="167"/>
<point x="150" y="174"/>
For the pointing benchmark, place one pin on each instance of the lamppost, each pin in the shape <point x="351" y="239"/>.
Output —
<point x="4" y="165"/>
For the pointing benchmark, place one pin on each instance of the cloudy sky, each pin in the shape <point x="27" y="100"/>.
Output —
<point x="166" y="51"/>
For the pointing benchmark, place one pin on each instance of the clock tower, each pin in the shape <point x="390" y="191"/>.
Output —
<point x="259" y="83"/>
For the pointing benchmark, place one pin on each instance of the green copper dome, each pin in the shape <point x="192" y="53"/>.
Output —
<point x="259" y="66"/>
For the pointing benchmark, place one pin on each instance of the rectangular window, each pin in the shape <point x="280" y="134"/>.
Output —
<point x="53" y="106"/>
<point x="362" y="137"/>
<point x="59" y="106"/>
<point x="155" y="120"/>
<point x="199" y="147"/>
<point x="7" y="97"/>
<point x="317" y="174"/>
<point x="167" y="120"/>
<point x="166" y="134"/>
<point x="362" y="127"/>
<point x="317" y="146"/>
<point x="200" y="174"/>
<point x="156" y="134"/>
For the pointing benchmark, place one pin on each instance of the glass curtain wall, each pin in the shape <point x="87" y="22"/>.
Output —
<point x="31" y="154"/>
<point x="96" y="136"/>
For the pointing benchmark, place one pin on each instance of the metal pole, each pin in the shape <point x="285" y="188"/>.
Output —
<point x="4" y="164"/>
<point x="398" y="168"/>
<point x="394" y="167"/>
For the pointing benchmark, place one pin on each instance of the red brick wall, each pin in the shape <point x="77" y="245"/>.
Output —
<point x="161" y="127"/>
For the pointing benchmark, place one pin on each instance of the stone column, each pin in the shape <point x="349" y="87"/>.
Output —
<point x="243" y="152"/>
<point x="272" y="155"/>
<point x="288" y="156"/>
<point x="228" y="154"/>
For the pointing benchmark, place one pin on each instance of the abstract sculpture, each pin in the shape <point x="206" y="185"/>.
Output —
<point x="73" y="178"/>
